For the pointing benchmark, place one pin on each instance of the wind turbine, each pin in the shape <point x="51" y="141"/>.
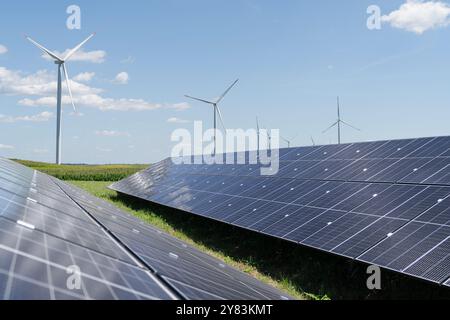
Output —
<point x="61" y="63"/>
<point x="286" y="140"/>
<point x="257" y="133"/>
<point x="339" y="122"/>
<point x="269" y="139"/>
<point x="215" y="105"/>
<point x="289" y="140"/>
<point x="269" y="136"/>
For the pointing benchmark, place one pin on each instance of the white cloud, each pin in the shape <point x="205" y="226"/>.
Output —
<point x="96" y="101"/>
<point x="96" y="56"/>
<point x="179" y="106"/>
<point x="122" y="78"/>
<point x="109" y="104"/>
<point x="128" y="60"/>
<point x="84" y="76"/>
<point x="112" y="133"/>
<point x="5" y="146"/>
<point x="103" y="149"/>
<point x="177" y="120"/>
<point x="40" y="151"/>
<point x="40" y="83"/>
<point x="41" y="117"/>
<point x="76" y="114"/>
<point x="418" y="16"/>
<point x="40" y="91"/>
<point x="3" y="49"/>
<point x="43" y="102"/>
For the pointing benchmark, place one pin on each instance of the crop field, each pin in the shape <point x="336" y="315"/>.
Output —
<point x="112" y="172"/>
<point x="302" y="272"/>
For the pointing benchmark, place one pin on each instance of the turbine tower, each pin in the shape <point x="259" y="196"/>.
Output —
<point x="215" y="105"/>
<point x="269" y="139"/>
<point x="61" y="63"/>
<point x="339" y="122"/>
<point x="288" y="142"/>
<point x="258" y="137"/>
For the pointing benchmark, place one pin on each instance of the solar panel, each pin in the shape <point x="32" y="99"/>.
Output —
<point x="50" y="230"/>
<point x="383" y="202"/>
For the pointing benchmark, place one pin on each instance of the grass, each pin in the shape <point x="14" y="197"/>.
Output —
<point x="302" y="272"/>
<point x="86" y="172"/>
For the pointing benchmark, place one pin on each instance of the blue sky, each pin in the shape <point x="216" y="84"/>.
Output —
<point x="292" y="58"/>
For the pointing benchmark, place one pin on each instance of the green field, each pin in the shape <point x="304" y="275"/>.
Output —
<point x="113" y="172"/>
<point x="302" y="272"/>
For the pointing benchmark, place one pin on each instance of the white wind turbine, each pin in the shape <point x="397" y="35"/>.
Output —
<point x="257" y="137"/>
<point x="61" y="62"/>
<point x="267" y="132"/>
<point x="289" y="140"/>
<point x="215" y="105"/>
<point x="339" y="122"/>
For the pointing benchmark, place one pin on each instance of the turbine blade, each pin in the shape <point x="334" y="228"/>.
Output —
<point x="201" y="100"/>
<point x="220" y="117"/>
<point x="226" y="92"/>
<point x="51" y="54"/>
<point x="285" y="140"/>
<point x="295" y="137"/>
<point x="333" y="125"/>
<point x="347" y="124"/>
<point x="72" y="52"/>
<point x="68" y="86"/>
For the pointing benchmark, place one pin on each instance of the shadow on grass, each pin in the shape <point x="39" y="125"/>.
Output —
<point x="307" y="270"/>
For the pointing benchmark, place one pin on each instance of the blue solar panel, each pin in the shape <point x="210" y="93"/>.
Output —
<point x="47" y="226"/>
<point x="345" y="199"/>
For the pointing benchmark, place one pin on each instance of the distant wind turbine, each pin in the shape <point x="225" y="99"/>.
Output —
<point x="339" y="122"/>
<point x="257" y="133"/>
<point x="215" y="104"/>
<point x="269" y="139"/>
<point x="286" y="140"/>
<point x="289" y="140"/>
<point x="61" y="62"/>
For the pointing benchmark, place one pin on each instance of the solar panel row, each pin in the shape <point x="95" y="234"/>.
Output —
<point x="386" y="203"/>
<point x="50" y="231"/>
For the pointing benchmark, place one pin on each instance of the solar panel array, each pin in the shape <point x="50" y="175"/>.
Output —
<point x="385" y="203"/>
<point x="51" y="232"/>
